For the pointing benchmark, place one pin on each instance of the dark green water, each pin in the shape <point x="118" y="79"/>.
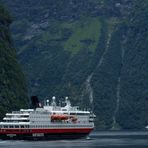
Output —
<point x="95" y="140"/>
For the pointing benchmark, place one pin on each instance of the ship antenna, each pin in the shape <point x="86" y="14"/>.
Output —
<point x="53" y="101"/>
<point x="67" y="101"/>
<point x="47" y="102"/>
<point x="60" y="103"/>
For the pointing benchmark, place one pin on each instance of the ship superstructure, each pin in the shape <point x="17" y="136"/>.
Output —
<point x="47" y="122"/>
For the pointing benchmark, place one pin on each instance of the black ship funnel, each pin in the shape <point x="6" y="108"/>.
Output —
<point x="35" y="102"/>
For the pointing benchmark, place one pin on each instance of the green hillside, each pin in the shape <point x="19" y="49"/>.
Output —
<point x="13" y="94"/>
<point x="94" y="51"/>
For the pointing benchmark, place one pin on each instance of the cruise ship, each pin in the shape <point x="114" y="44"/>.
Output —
<point x="47" y="122"/>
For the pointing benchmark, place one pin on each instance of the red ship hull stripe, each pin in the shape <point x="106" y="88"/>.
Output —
<point x="45" y="131"/>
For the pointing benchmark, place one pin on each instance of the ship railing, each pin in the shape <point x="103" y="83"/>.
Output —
<point x="44" y="113"/>
<point x="21" y="112"/>
<point x="15" y="118"/>
<point x="16" y="112"/>
<point x="71" y="125"/>
<point x="63" y="125"/>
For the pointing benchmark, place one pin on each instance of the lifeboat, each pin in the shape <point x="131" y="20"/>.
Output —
<point x="59" y="117"/>
<point x="63" y="117"/>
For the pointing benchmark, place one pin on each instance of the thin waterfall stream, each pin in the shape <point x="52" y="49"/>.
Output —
<point x="88" y="87"/>
<point x="118" y="91"/>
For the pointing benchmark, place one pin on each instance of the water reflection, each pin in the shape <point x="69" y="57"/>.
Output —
<point x="97" y="139"/>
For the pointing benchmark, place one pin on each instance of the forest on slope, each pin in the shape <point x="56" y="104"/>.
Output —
<point x="13" y="93"/>
<point x="94" y="51"/>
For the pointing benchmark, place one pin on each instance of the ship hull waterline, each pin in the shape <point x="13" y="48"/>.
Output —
<point x="44" y="134"/>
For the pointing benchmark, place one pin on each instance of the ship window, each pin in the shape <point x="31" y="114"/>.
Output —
<point x="22" y="126"/>
<point x="90" y="121"/>
<point x="64" y="109"/>
<point x="72" y="113"/>
<point x="25" y="120"/>
<point x="82" y="113"/>
<point x="25" y="116"/>
<point x="16" y="126"/>
<point x="11" y="126"/>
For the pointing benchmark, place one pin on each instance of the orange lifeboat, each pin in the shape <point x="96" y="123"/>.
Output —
<point x="59" y="117"/>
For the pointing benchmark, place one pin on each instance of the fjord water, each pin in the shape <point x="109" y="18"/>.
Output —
<point x="114" y="139"/>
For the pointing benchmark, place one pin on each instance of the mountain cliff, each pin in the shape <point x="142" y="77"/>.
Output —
<point x="94" y="51"/>
<point x="13" y="94"/>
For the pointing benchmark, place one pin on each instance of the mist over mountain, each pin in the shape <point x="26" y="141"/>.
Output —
<point x="94" y="51"/>
<point x="13" y="92"/>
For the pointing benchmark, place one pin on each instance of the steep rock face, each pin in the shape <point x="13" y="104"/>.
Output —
<point x="134" y="79"/>
<point x="94" y="51"/>
<point x="13" y="94"/>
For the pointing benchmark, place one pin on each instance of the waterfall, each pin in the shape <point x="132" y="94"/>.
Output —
<point x="118" y="90"/>
<point x="88" y="88"/>
<point x="117" y="102"/>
